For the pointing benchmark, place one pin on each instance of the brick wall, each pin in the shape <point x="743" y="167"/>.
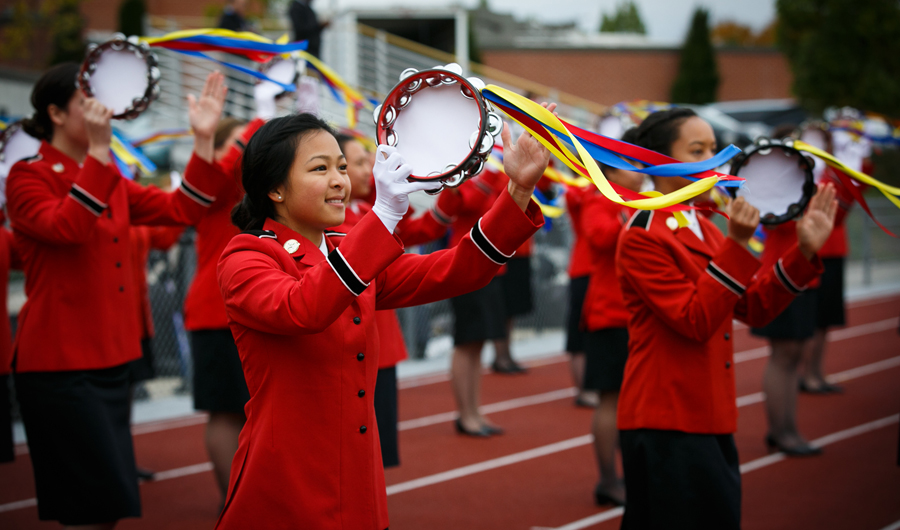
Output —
<point x="610" y="76"/>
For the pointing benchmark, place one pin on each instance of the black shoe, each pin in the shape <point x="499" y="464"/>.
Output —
<point x="800" y="450"/>
<point x="492" y="430"/>
<point x="480" y="433"/>
<point x="508" y="368"/>
<point x="603" y="497"/>
<point x="145" y="474"/>
<point x="823" y="389"/>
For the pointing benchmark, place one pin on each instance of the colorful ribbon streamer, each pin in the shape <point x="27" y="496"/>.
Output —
<point x="547" y="129"/>
<point x="342" y="92"/>
<point x="126" y="156"/>
<point x="250" y="45"/>
<point x="846" y="173"/>
<point x="161" y="137"/>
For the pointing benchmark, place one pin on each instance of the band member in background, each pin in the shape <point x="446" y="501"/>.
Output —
<point x="71" y="212"/>
<point x="301" y="306"/>
<point x="682" y="287"/>
<point x="9" y="260"/>
<point x="605" y="319"/>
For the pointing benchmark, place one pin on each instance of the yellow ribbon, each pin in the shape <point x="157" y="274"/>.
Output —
<point x="888" y="191"/>
<point x="548" y="120"/>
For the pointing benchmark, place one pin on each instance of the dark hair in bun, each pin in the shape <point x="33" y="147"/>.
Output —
<point x="55" y="87"/>
<point x="661" y="129"/>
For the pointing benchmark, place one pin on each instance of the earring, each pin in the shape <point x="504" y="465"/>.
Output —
<point x="279" y="197"/>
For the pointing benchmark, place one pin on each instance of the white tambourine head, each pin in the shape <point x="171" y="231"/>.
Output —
<point x="119" y="79"/>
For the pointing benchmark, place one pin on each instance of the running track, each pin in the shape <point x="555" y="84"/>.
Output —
<point x="540" y="475"/>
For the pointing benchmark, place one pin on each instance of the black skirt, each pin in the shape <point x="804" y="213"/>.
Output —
<point x="7" y="448"/>
<point x="606" y="352"/>
<point x="677" y="480"/>
<point x="516" y="283"/>
<point x="80" y="444"/>
<point x="479" y="315"/>
<point x="574" y="334"/>
<point x="796" y="322"/>
<point x="830" y="295"/>
<point x="386" y="415"/>
<point x="142" y="369"/>
<point x="219" y="384"/>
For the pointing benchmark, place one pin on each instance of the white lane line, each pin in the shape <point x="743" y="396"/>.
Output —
<point x="510" y="459"/>
<point x="753" y="465"/>
<point x="586" y="439"/>
<point x="490" y="408"/>
<point x="894" y="526"/>
<point x="833" y="336"/>
<point x="18" y="505"/>
<point x="490" y="464"/>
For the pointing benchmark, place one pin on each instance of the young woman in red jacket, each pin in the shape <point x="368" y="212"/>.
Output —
<point x="9" y="259"/>
<point x="605" y="320"/>
<point x="301" y="305"/>
<point x="682" y="287"/>
<point x="71" y="212"/>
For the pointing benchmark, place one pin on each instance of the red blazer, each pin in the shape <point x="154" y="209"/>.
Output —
<point x="602" y="222"/>
<point x="72" y="227"/>
<point x="682" y="294"/>
<point x="580" y="260"/>
<point x="143" y="240"/>
<point x="9" y="259"/>
<point x="203" y="305"/>
<point x="309" y="455"/>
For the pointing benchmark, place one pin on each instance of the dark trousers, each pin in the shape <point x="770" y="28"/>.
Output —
<point x="677" y="480"/>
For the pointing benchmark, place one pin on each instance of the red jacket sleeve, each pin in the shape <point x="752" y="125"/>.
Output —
<point x="692" y="309"/>
<point x="259" y="294"/>
<point x="163" y="237"/>
<point x="775" y="287"/>
<point x="419" y="279"/>
<point x="37" y="212"/>
<point x="231" y="162"/>
<point x="423" y="229"/>
<point x="149" y="205"/>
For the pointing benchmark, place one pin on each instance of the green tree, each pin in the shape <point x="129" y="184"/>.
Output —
<point x="66" y="28"/>
<point x="843" y="53"/>
<point x="131" y="17"/>
<point x="626" y="19"/>
<point x="698" y="75"/>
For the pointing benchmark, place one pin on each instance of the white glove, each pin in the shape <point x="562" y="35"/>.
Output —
<point x="264" y="95"/>
<point x="391" y="187"/>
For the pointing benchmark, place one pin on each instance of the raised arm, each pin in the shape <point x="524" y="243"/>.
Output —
<point x="259" y="294"/>
<point x="203" y="179"/>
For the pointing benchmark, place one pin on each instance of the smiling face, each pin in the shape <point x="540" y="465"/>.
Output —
<point x="696" y="142"/>
<point x="317" y="190"/>
<point x="359" y="169"/>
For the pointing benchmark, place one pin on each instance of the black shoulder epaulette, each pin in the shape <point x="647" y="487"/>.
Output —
<point x="262" y="234"/>
<point x="641" y="219"/>
<point x="333" y="233"/>
<point x="33" y="158"/>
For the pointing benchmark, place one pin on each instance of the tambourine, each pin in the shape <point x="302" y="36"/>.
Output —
<point x="778" y="179"/>
<point x="286" y="71"/>
<point x="122" y="75"/>
<point x="15" y="145"/>
<point x="441" y="125"/>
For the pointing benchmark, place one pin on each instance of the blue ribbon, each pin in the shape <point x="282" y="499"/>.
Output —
<point x="290" y="87"/>
<point x="262" y="47"/>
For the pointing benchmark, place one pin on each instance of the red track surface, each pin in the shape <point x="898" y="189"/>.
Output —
<point x="855" y="484"/>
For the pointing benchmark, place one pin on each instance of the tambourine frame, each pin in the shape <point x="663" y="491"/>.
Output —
<point x="806" y="164"/>
<point x="142" y="51"/>
<point x="399" y="97"/>
<point x="6" y="134"/>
